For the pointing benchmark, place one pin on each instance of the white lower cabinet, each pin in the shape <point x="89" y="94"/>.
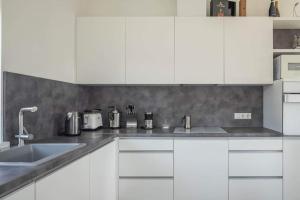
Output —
<point x="146" y="169"/>
<point x="26" y="193"/>
<point x="255" y="169"/>
<point x="147" y="164"/>
<point x="103" y="173"/>
<point x="201" y="169"/>
<point x="255" y="164"/>
<point x="146" y="189"/>
<point x="255" y="189"/>
<point x="291" y="168"/>
<point x="68" y="183"/>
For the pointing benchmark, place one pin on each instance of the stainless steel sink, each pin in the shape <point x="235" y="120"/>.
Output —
<point x="200" y="130"/>
<point x="35" y="154"/>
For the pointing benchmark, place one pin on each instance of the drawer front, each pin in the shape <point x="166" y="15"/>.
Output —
<point x="145" y="189"/>
<point x="272" y="144"/>
<point x="247" y="164"/>
<point x="146" y="145"/>
<point x="291" y="86"/>
<point x="146" y="164"/>
<point x="255" y="189"/>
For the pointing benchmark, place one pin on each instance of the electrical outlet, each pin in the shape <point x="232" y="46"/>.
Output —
<point x="242" y="116"/>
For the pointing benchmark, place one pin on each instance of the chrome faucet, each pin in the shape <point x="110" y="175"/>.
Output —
<point x="23" y="133"/>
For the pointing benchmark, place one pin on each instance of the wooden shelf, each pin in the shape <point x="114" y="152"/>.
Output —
<point x="286" y="23"/>
<point x="278" y="52"/>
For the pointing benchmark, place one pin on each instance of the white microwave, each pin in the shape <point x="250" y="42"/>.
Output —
<point x="287" y="67"/>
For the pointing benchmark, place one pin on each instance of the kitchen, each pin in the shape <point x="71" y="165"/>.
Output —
<point x="152" y="100"/>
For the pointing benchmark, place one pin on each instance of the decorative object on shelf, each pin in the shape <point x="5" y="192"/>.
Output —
<point x="272" y="9"/>
<point x="232" y="8"/>
<point x="219" y="8"/>
<point x="277" y="8"/>
<point x="295" y="14"/>
<point x="296" y="43"/>
<point x="243" y="7"/>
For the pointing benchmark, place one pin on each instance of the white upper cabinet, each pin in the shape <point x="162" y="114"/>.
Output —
<point x="187" y="50"/>
<point x="150" y="50"/>
<point x="199" y="50"/>
<point x="248" y="50"/>
<point x="101" y="50"/>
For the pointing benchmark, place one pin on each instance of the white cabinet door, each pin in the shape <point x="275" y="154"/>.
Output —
<point x="248" y="50"/>
<point x="150" y="50"/>
<point x="146" y="189"/>
<point x="26" y="193"/>
<point x="68" y="183"/>
<point x="291" y="166"/>
<point x="199" y="50"/>
<point x="140" y="164"/>
<point x="148" y="144"/>
<point x="255" y="164"/>
<point x="101" y="50"/>
<point x="255" y="189"/>
<point x="200" y="169"/>
<point x="103" y="174"/>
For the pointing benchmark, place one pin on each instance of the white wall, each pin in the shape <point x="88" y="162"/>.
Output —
<point x="128" y="7"/>
<point x="39" y="38"/>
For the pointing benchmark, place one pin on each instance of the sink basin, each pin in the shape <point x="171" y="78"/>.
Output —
<point x="200" y="130"/>
<point x="35" y="154"/>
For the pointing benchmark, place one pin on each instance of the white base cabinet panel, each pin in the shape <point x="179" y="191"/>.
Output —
<point x="255" y="144"/>
<point x="291" y="166"/>
<point x="103" y="173"/>
<point x="146" y="164"/>
<point x="255" y="164"/>
<point x="26" y="193"/>
<point x="255" y="189"/>
<point x="146" y="189"/>
<point x="201" y="169"/>
<point x="145" y="144"/>
<point x="68" y="183"/>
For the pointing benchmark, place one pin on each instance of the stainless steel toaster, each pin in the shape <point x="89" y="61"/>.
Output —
<point x="92" y="119"/>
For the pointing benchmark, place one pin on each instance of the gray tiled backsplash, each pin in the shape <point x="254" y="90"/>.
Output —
<point x="53" y="99"/>
<point x="208" y="105"/>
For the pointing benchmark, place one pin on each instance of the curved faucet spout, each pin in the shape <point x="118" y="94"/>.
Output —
<point x="30" y="109"/>
<point x="22" y="135"/>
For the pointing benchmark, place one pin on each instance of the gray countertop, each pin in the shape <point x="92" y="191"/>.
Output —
<point x="13" y="178"/>
<point x="231" y="132"/>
